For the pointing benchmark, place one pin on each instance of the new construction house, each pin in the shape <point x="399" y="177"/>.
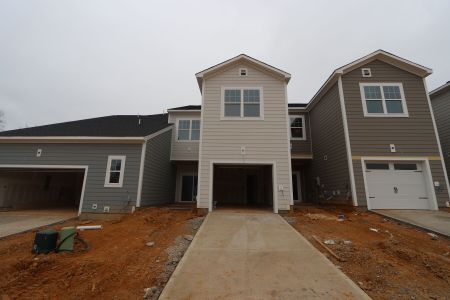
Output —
<point x="367" y="138"/>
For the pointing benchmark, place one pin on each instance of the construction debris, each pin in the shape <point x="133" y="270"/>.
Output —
<point x="329" y="242"/>
<point x="188" y="237"/>
<point x="433" y="236"/>
<point x="374" y="229"/>
<point x="150" y="244"/>
<point x="328" y="249"/>
<point x="89" y="227"/>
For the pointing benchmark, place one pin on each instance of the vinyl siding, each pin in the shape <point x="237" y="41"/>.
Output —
<point x="183" y="150"/>
<point x="159" y="174"/>
<point x="328" y="137"/>
<point x="371" y="136"/>
<point x="300" y="146"/>
<point x="441" y="110"/>
<point x="95" y="156"/>
<point x="265" y="140"/>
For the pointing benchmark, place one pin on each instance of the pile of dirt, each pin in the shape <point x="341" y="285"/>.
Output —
<point x="125" y="257"/>
<point x="387" y="259"/>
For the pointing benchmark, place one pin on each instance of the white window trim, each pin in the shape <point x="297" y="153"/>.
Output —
<point x="190" y="129"/>
<point x="242" y="88"/>
<point x="108" y="171"/>
<point x="405" y="113"/>
<point x="303" y="128"/>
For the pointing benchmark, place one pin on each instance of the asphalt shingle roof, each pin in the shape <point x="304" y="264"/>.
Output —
<point x="108" y="126"/>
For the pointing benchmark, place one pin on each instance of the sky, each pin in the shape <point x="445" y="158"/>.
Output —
<point x="67" y="60"/>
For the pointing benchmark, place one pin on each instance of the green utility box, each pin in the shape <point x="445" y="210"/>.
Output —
<point x="66" y="238"/>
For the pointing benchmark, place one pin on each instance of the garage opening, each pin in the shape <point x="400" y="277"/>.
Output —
<point x="243" y="186"/>
<point x="40" y="189"/>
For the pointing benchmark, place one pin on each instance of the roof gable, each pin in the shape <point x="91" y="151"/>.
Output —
<point x="242" y="57"/>
<point x="440" y="90"/>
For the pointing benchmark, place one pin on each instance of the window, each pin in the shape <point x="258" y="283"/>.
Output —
<point x="297" y="127"/>
<point x="114" y="171"/>
<point x="405" y="167"/>
<point x="188" y="130"/>
<point x="377" y="166"/>
<point x="242" y="72"/>
<point x="383" y="100"/>
<point x="242" y="103"/>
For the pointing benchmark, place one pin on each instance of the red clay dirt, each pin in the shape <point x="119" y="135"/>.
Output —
<point x="397" y="262"/>
<point x="118" y="265"/>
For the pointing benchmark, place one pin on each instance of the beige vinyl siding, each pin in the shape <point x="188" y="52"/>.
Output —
<point x="371" y="136"/>
<point x="441" y="110"/>
<point x="159" y="173"/>
<point x="183" y="150"/>
<point x="327" y="131"/>
<point x="265" y="140"/>
<point x="302" y="146"/>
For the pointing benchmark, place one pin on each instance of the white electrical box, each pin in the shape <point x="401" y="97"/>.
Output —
<point x="243" y="150"/>
<point x="437" y="183"/>
<point x="94" y="206"/>
<point x="105" y="208"/>
<point x="392" y="147"/>
<point x="281" y="187"/>
<point x="38" y="152"/>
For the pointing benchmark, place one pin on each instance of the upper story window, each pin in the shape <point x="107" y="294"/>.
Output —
<point x="114" y="171"/>
<point x="383" y="100"/>
<point x="242" y="103"/>
<point x="297" y="124"/>
<point x="188" y="130"/>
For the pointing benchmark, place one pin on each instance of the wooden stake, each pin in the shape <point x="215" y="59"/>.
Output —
<point x="328" y="249"/>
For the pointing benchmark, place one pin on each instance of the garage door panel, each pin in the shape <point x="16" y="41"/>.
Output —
<point x="402" y="186"/>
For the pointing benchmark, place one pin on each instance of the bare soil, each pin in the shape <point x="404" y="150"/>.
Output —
<point x="118" y="265"/>
<point x="395" y="261"/>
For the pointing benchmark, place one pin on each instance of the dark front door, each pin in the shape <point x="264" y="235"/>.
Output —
<point x="189" y="187"/>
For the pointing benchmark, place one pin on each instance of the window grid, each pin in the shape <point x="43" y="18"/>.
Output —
<point x="115" y="171"/>
<point x="242" y="103"/>
<point x="188" y="130"/>
<point x="383" y="99"/>
<point x="297" y="127"/>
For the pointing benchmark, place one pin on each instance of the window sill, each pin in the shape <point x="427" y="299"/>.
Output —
<point x="241" y="118"/>
<point x="386" y="115"/>
<point x="111" y="185"/>
<point x="298" y="139"/>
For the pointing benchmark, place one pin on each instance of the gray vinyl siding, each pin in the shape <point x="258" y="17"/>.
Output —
<point x="183" y="150"/>
<point x="441" y="110"/>
<point x="371" y="136"/>
<point x="265" y="140"/>
<point x="159" y="176"/>
<point x="95" y="156"/>
<point x="328" y="137"/>
<point x="300" y="146"/>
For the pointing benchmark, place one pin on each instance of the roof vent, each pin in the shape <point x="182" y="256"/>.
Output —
<point x="366" y="72"/>
<point x="242" y="72"/>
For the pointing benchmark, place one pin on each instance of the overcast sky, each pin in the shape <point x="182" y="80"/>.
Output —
<point x="66" y="60"/>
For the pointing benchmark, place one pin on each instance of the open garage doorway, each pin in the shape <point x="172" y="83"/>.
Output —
<point x="243" y="186"/>
<point x="41" y="188"/>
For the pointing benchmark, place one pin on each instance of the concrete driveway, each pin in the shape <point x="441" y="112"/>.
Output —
<point x="12" y="222"/>
<point x="434" y="220"/>
<point x="248" y="255"/>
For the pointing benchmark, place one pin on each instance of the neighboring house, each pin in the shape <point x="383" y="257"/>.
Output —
<point x="440" y="100"/>
<point x="107" y="164"/>
<point x="367" y="138"/>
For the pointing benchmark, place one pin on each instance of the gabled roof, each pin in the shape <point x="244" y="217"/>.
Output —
<point x="381" y="55"/>
<point x="442" y="89"/>
<point x="186" y="108"/>
<point x="109" y="126"/>
<point x="263" y="65"/>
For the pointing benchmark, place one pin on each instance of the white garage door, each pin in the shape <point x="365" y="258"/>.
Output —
<point x="396" y="185"/>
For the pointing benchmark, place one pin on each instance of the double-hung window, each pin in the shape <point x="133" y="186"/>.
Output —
<point x="114" y="171"/>
<point x="297" y="124"/>
<point x="383" y="100"/>
<point x="242" y="103"/>
<point x="188" y="130"/>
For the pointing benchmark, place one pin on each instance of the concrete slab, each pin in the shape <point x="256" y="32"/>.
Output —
<point x="437" y="221"/>
<point x="245" y="255"/>
<point x="12" y="222"/>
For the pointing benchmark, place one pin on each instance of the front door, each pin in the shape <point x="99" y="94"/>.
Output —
<point x="189" y="187"/>
<point x="296" y="187"/>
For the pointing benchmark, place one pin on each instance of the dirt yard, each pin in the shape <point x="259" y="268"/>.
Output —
<point x="394" y="261"/>
<point x="118" y="265"/>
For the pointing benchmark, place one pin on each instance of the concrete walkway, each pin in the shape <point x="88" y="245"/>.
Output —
<point x="433" y="220"/>
<point x="251" y="255"/>
<point x="12" y="222"/>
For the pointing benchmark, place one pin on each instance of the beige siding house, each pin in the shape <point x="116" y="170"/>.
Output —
<point x="367" y="138"/>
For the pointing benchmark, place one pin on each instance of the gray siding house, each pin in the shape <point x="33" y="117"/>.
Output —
<point x="109" y="164"/>
<point x="367" y="138"/>
<point x="440" y="100"/>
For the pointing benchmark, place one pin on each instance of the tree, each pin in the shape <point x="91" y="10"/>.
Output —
<point x="2" y="120"/>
